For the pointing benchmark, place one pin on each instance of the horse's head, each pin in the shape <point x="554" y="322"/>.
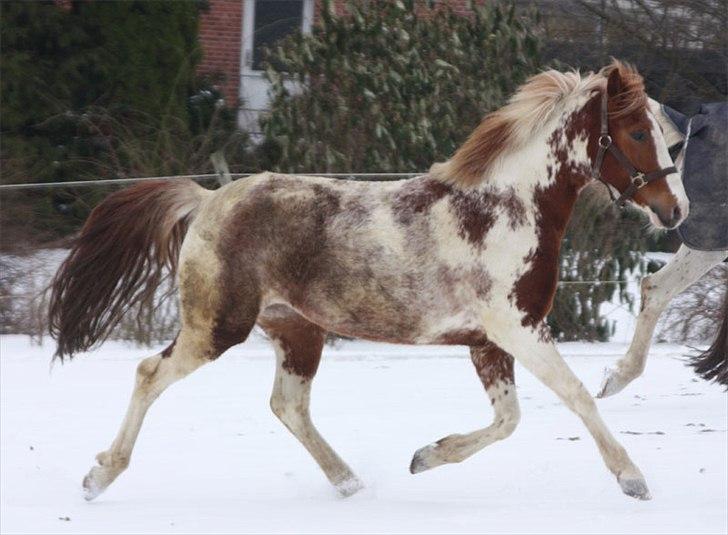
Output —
<point x="632" y="154"/>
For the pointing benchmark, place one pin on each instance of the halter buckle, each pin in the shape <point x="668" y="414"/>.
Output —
<point x="638" y="179"/>
<point x="605" y="140"/>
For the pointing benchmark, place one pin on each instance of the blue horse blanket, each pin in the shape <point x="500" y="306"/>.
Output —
<point x="705" y="175"/>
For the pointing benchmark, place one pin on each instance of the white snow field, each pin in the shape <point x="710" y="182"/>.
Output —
<point x="212" y="458"/>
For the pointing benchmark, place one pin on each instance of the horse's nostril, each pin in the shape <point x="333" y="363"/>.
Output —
<point x="676" y="214"/>
<point x="667" y="216"/>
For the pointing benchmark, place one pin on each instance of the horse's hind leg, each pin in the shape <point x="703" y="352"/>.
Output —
<point x="658" y="289"/>
<point x="298" y="344"/>
<point x="153" y="376"/>
<point x="495" y="369"/>
<point x="213" y="319"/>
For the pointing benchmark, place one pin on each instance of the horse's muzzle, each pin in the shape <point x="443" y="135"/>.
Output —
<point x="670" y="217"/>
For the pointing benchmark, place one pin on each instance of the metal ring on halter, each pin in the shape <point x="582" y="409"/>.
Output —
<point x="605" y="140"/>
<point x="639" y="180"/>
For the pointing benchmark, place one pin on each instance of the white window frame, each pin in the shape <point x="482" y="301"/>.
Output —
<point x="246" y="42"/>
<point x="247" y="116"/>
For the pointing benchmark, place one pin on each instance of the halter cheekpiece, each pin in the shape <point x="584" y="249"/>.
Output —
<point x="638" y="179"/>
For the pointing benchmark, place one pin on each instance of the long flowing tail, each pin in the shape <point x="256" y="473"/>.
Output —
<point x="129" y="243"/>
<point x="712" y="364"/>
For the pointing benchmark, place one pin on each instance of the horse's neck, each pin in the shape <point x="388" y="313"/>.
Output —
<point x="551" y="169"/>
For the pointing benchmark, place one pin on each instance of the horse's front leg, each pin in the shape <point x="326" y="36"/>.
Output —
<point x="658" y="289"/>
<point x="495" y="369"/>
<point x="532" y="347"/>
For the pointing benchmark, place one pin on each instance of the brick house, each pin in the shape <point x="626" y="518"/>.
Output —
<point x="233" y="32"/>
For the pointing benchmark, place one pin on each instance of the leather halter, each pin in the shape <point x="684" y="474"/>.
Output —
<point x="638" y="179"/>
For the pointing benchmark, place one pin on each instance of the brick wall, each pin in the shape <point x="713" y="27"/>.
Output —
<point x="220" y="34"/>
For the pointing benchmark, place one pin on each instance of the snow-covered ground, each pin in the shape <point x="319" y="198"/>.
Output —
<point x="212" y="458"/>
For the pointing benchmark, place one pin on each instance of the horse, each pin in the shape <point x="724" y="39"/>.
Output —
<point x="466" y="254"/>
<point x="692" y="260"/>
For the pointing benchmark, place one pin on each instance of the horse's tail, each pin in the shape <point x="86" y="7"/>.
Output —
<point x="128" y="244"/>
<point x="712" y="364"/>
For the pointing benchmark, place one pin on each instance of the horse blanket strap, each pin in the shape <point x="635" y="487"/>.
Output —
<point x="638" y="179"/>
<point x="704" y="175"/>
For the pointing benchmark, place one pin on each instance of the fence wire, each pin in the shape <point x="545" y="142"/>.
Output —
<point x="27" y="299"/>
<point x="207" y="176"/>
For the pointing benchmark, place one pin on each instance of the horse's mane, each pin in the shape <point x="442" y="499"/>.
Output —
<point x="527" y="111"/>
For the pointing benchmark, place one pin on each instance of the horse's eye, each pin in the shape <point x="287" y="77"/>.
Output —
<point x="639" y="135"/>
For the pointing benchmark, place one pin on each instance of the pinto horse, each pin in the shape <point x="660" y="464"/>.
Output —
<point x="465" y="255"/>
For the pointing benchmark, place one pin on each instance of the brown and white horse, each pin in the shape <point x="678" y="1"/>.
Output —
<point x="465" y="255"/>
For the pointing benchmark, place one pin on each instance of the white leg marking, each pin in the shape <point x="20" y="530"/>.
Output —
<point x="495" y="369"/>
<point x="658" y="289"/>
<point x="456" y="448"/>
<point x="543" y="360"/>
<point x="290" y="403"/>
<point x="153" y="376"/>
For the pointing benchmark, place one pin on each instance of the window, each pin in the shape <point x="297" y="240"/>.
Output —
<point x="274" y="19"/>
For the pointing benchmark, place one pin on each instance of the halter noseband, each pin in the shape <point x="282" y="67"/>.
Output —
<point x="638" y="179"/>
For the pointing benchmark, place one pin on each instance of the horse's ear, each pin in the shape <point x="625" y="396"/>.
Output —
<point x="614" y="82"/>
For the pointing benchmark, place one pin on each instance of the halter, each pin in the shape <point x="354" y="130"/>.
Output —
<point x="638" y="179"/>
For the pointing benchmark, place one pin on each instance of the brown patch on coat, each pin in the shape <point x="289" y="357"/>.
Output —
<point x="416" y="197"/>
<point x="492" y="364"/>
<point x="462" y="337"/>
<point x="534" y="292"/>
<point x="475" y="212"/>
<point x="300" y="340"/>
<point x="279" y="242"/>
<point x="515" y="209"/>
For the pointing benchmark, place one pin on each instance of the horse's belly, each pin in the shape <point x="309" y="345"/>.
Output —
<point x="398" y="323"/>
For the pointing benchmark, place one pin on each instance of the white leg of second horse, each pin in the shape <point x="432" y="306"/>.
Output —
<point x="539" y="355"/>
<point x="658" y="289"/>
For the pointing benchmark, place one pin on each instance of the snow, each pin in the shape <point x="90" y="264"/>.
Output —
<point x="212" y="457"/>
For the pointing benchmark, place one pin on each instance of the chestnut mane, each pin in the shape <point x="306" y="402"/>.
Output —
<point x="531" y="107"/>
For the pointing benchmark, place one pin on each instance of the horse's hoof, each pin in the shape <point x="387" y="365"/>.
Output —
<point x="612" y="383"/>
<point x="91" y="489"/>
<point x="349" y="487"/>
<point x="100" y="477"/>
<point x="424" y="459"/>
<point x="636" y="488"/>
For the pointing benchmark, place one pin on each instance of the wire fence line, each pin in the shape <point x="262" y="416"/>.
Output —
<point x="27" y="310"/>
<point x="235" y="176"/>
<point x="207" y="176"/>
<point x="32" y="295"/>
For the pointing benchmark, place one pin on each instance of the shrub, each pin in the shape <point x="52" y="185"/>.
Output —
<point x="392" y="86"/>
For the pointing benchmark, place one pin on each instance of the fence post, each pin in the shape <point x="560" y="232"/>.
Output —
<point x="221" y="167"/>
